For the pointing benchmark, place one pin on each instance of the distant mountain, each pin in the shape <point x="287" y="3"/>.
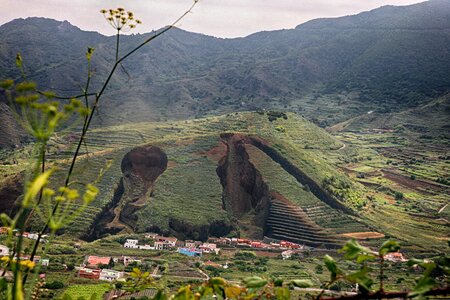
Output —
<point x="390" y="58"/>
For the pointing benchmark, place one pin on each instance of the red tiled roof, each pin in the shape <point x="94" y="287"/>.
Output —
<point x="96" y="260"/>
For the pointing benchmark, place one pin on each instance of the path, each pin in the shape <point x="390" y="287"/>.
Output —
<point x="442" y="209"/>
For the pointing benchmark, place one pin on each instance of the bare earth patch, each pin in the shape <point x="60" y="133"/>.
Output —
<point x="363" y="235"/>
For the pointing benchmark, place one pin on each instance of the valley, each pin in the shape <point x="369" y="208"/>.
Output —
<point x="278" y="155"/>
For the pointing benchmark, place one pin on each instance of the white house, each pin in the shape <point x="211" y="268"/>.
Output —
<point x="133" y="244"/>
<point x="162" y="245"/>
<point x="110" y="275"/>
<point x="146" y="247"/>
<point x="33" y="236"/>
<point x="4" y="251"/>
<point x="152" y="236"/>
<point x="209" y="248"/>
<point x="45" y="262"/>
<point x="189" y="244"/>
<point x="287" y="254"/>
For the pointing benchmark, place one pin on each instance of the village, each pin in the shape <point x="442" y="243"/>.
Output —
<point x="101" y="268"/>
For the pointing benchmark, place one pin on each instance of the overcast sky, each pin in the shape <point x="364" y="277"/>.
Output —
<point x="222" y="18"/>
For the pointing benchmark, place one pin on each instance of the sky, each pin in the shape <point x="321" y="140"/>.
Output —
<point x="220" y="18"/>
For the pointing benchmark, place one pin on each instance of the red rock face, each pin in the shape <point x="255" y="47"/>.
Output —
<point x="140" y="167"/>
<point x="245" y="195"/>
<point x="146" y="163"/>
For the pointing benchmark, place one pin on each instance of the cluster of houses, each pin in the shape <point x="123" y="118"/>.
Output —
<point x="189" y="247"/>
<point x="91" y="268"/>
<point x="238" y="242"/>
<point x="27" y="235"/>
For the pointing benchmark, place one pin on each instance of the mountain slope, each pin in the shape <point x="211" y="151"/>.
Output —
<point x="389" y="59"/>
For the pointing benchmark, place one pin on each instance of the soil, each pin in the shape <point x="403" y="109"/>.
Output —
<point x="363" y="235"/>
<point x="416" y="184"/>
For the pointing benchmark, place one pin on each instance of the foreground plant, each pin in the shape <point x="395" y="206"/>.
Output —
<point x="42" y="114"/>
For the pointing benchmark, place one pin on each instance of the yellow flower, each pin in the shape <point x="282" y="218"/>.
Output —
<point x="27" y="263"/>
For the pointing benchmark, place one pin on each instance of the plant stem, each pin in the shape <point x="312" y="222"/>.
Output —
<point x="89" y="118"/>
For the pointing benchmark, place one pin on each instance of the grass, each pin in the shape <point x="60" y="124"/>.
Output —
<point x="79" y="291"/>
<point x="190" y="190"/>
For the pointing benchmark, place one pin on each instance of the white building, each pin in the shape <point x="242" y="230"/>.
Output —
<point x="133" y="244"/>
<point x="189" y="244"/>
<point x="33" y="236"/>
<point x="110" y="275"/>
<point x="4" y="251"/>
<point x="45" y="262"/>
<point x="162" y="245"/>
<point x="146" y="247"/>
<point x="152" y="236"/>
<point x="287" y="254"/>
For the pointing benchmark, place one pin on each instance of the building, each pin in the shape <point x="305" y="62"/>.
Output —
<point x="127" y="260"/>
<point x="190" y="252"/>
<point x="146" y="247"/>
<point x="152" y="235"/>
<point x="209" y="248"/>
<point x="33" y="236"/>
<point x="189" y="244"/>
<point x="4" y="251"/>
<point x="97" y="260"/>
<point x="89" y="273"/>
<point x="170" y="240"/>
<point x="45" y="262"/>
<point x="162" y="245"/>
<point x="289" y="245"/>
<point x="395" y="257"/>
<point x="133" y="244"/>
<point x="4" y="230"/>
<point x="110" y="275"/>
<point x="287" y="254"/>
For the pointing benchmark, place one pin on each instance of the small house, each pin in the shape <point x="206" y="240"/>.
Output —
<point x="152" y="235"/>
<point x="395" y="257"/>
<point x="133" y="244"/>
<point x="287" y="254"/>
<point x="169" y="240"/>
<point x="190" y="252"/>
<point x="89" y="273"/>
<point x="110" y="275"/>
<point x="189" y="244"/>
<point x="97" y="260"/>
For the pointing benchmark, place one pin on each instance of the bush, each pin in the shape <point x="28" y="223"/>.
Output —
<point x="398" y="195"/>
<point x="54" y="285"/>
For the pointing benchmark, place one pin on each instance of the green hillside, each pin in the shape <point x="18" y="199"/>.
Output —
<point x="293" y="174"/>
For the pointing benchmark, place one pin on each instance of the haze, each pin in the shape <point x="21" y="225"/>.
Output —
<point x="221" y="18"/>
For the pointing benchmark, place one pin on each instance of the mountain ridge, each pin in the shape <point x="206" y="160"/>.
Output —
<point x="314" y="72"/>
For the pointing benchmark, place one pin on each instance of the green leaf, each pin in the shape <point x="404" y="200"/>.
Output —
<point x="18" y="60"/>
<point x="278" y="282"/>
<point x="255" y="282"/>
<point x="6" y="84"/>
<point x="388" y="247"/>
<point x="302" y="283"/>
<point x="362" y="279"/>
<point x="424" y="285"/>
<point x="160" y="295"/>
<point x="330" y="263"/>
<point x="282" y="293"/>
<point x="364" y="257"/>
<point x="352" y="249"/>
<point x="89" y="53"/>
<point x="35" y="186"/>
